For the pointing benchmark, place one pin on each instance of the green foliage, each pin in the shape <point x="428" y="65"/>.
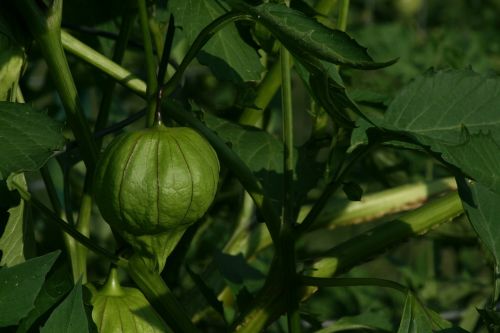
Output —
<point x="349" y="172"/>
<point x="30" y="138"/>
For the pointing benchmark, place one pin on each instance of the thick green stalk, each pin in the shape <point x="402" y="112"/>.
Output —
<point x="103" y="63"/>
<point x="66" y="227"/>
<point x="343" y="15"/>
<point x="265" y="93"/>
<point x="160" y="296"/>
<point x="44" y="24"/>
<point x="287" y="241"/>
<point x="152" y="83"/>
<point x="359" y="249"/>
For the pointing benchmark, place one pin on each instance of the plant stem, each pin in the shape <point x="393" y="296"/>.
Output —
<point x="152" y="84"/>
<point x="160" y="296"/>
<point x="343" y="15"/>
<point x="361" y="248"/>
<point x="118" y="54"/>
<point x="332" y="187"/>
<point x="265" y="93"/>
<point x="202" y="38"/>
<point x="103" y="63"/>
<point x="287" y="253"/>
<point x="45" y="26"/>
<point x="351" y="282"/>
<point x="67" y="227"/>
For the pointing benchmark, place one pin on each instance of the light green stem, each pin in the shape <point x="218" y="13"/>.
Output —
<point x="103" y="63"/>
<point x="152" y="83"/>
<point x="343" y="15"/>
<point x="45" y="26"/>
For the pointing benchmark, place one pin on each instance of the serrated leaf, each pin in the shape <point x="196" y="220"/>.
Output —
<point x="262" y="152"/>
<point x="304" y="35"/>
<point x="69" y="316"/>
<point x="59" y="282"/>
<point x="226" y="54"/>
<point x="20" y="286"/>
<point x="27" y="138"/>
<point x="454" y="113"/>
<point x="482" y="208"/>
<point x="12" y="241"/>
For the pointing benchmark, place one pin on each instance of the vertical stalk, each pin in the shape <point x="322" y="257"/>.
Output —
<point x="150" y="64"/>
<point x="45" y="26"/>
<point x="287" y="242"/>
<point x="118" y="54"/>
<point x="343" y="15"/>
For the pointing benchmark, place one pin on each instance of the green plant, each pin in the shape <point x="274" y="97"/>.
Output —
<point x="343" y="166"/>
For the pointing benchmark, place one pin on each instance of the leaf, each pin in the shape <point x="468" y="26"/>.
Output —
<point x="12" y="242"/>
<point x="482" y="208"/>
<point x="127" y="312"/>
<point x="12" y="56"/>
<point x="207" y="292"/>
<point x="59" y="282"/>
<point x="262" y="152"/>
<point x="27" y="138"/>
<point x="226" y="54"/>
<point x="303" y="35"/>
<point x="235" y="269"/>
<point x="447" y="111"/>
<point x="353" y="191"/>
<point x="20" y="287"/>
<point x="418" y="319"/>
<point x="69" y="316"/>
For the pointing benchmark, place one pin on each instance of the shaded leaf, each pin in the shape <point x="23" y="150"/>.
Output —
<point x="28" y="138"/>
<point x="353" y="191"/>
<point x="59" y="282"/>
<point x="20" y="287"/>
<point x="418" y="319"/>
<point x="262" y="152"/>
<point x="235" y="269"/>
<point x="69" y="316"/>
<point x="482" y="208"/>
<point x="207" y="292"/>
<point x="304" y="35"/>
<point x="226" y="54"/>
<point x="447" y="111"/>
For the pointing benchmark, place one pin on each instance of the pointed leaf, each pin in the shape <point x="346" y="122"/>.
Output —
<point x="262" y="152"/>
<point x="226" y="54"/>
<point x="304" y="35"/>
<point x="418" y="319"/>
<point x="69" y="316"/>
<point x="482" y="208"/>
<point x="28" y="138"/>
<point x="15" y="236"/>
<point x="58" y="284"/>
<point x="20" y="287"/>
<point x="448" y="111"/>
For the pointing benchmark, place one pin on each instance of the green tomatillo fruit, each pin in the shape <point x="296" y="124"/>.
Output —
<point x="152" y="184"/>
